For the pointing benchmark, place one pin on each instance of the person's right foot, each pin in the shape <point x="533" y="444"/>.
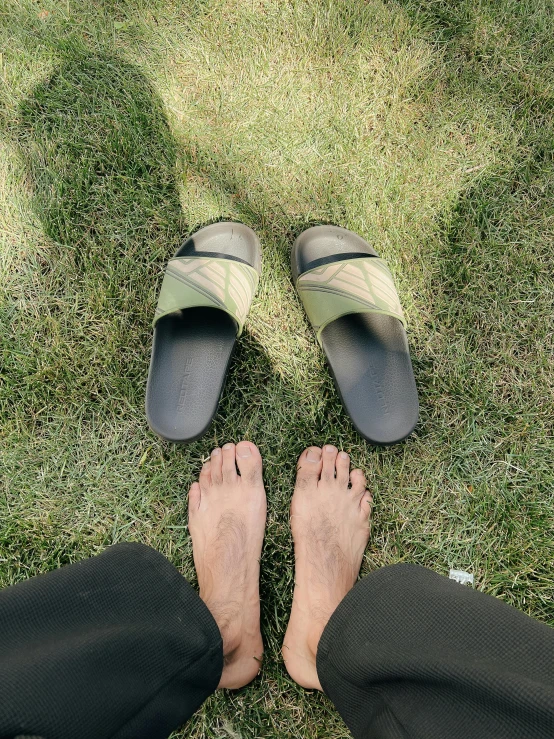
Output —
<point x="227" y="508"/>
<point x="330" y="526"/>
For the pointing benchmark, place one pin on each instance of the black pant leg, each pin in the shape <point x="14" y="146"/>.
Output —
<point x="409" y="654"/>
<point x="116" y="646"/>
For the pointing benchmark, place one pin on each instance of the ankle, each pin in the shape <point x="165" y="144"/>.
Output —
<point x="242" y="654"/>
<point x="226" y="614"/>
<point x="300" y="652"/>
<point x="315" y="633"/>
<point x="231" y="636"/>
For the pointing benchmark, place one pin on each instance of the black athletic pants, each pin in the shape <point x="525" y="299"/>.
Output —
<point x="121" y="646"/>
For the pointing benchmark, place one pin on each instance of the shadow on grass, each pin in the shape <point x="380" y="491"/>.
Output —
<point x="496" y="242"/>
<point x="101" y="159"/>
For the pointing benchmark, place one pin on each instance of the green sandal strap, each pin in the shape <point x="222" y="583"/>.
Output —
<point x="363" y="285"/>
<point x="193" y="282"/>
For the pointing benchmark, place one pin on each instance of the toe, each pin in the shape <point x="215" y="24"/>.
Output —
<point x="249" y="462"/>
<point x="329" y="459"/>
<point x="366" y="504"/>
<point x="216" y="466"/>
<point x="194" y="497"/>
<point x="309" y="467"/>
<point x="357" y="480"/>
<point x="205" y="478"/>
<point x="342" y="466"/>
<point x="229" y="465"/>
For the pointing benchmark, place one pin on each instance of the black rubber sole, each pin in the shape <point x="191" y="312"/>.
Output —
<point x="192" y="349"/>
<point x="368" y="354"/>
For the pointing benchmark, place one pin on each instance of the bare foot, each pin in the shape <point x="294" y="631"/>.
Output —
<point x="226" y="521"/>
<point x="329" y="517"/>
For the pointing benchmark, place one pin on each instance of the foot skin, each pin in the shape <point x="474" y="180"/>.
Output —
<point x="330" y="512"/>
<point x="227" y="514"/>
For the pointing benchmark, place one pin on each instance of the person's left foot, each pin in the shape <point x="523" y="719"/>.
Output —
<point x="329" y="517"/>
<point x="227" y="512"/>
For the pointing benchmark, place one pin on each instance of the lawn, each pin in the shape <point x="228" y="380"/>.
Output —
<point x="427" y="127"/>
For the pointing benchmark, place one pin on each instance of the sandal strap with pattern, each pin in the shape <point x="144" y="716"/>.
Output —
<point x="359" y="285"/>
<point x="193" y="282"/>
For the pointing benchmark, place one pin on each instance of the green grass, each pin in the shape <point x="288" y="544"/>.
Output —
<point x="427" y="127"/>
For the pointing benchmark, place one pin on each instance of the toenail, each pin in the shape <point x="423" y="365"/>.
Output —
<point x="244" y="451"/>
<point x="216" y="452"/>
<point x="228" y="446"/>
<point x="330" y="449"/>
<point x="313" y="455"/>
<point x="343" y="455"/>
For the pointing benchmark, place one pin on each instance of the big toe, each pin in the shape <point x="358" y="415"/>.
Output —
<point x="249" y="463"/>
<point x="309" y="467"/>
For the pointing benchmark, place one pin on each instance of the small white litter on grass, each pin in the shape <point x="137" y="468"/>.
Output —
<point x="464" y="578"/>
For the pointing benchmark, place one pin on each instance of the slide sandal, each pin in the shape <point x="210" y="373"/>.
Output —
<point x="349" y="296"/>
<point x="206" y="293"/>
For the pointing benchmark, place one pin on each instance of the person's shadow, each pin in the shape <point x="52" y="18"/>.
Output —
<point x="101" y="163"/>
